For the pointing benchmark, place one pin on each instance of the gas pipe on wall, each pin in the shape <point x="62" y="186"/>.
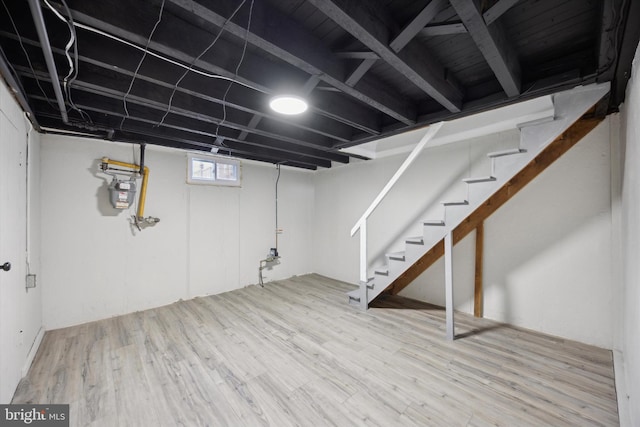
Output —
<point x="122" y="191"/>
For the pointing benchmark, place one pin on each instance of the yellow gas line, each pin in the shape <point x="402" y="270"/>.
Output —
<point x="145" y="178"/>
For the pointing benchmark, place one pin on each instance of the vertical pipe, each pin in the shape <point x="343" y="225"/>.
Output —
<point x="448" y="279"/>
<point x="142" y="148"/>
<point x="41" y="28"/>
<point x="143" y="193"/>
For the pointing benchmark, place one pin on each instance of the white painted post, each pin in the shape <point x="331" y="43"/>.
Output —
<point x="364" y="297"/>
<point x="363" y="251"/>
<point x="448" y="280"/>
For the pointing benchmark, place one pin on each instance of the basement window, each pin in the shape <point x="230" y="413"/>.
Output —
<point x="213" y="171"/>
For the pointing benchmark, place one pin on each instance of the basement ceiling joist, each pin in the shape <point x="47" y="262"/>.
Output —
<point x="198" y="74"/>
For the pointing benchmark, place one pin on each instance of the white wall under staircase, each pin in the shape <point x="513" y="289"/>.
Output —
<point x="546" y="251"/>
<point x="626" y="201"/>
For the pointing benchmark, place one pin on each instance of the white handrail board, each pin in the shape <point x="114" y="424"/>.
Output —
<point x="431" y="132"/>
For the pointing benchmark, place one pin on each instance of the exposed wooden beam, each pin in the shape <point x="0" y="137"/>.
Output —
<point x="478" y="294"/>
<point x="355" y="115"/>
<point x="180" y="136"/>
<point x="361" y="21"/>
<point x="444" y="29"/>
<point x="107" y="106"/>
<point x="236" y="100"/>
<point x="550" y="154"/>
<point x="412" y="29"/>
<point x="497" y="10"/>
<point x="401" y="40"/>
<point x="356" y="55"/>
<point x="253" y="123"/>
<point x="547" y="86"/>
<point x="360" y="71"/>
<point x="299" y="48"/>
<point x="493" y="44"/>
<point x="101" y="90"/>
<point x="626" y="51"/>
<point x="490" y="16"/>
<point x="607" y="53"/>
<point x="134" y="133"/>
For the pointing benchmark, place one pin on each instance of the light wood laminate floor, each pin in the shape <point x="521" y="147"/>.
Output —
<point x="294" y="353"/>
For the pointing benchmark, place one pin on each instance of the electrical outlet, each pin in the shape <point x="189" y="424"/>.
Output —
<point x="31" y="281"/>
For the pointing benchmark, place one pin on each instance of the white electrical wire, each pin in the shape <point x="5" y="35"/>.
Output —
<point x="215" y="40"/>
<point x="135" y="74"/>
<point x="244" y="51"/>
<point x="73" y="63"/>
<point x="164" y="58"/>
<point x="72" y="39"/>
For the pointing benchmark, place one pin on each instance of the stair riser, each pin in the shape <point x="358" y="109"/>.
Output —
<point x="504" y="166"/>
<point x="432" y="235"/>
<point x="413" y="251"/>
<point x="455" y="214"/>
<point x="479" y="192"/>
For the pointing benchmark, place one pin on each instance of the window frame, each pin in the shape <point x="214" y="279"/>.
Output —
<point x="215" y="160"/>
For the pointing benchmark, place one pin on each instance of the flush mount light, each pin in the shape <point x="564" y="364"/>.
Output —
<point x="288" y="104"/>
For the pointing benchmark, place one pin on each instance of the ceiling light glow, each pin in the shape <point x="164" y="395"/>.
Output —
<point x="288" y="104"/>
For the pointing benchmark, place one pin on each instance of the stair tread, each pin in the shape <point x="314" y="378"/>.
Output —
<point x="455" y="202"/>
<point x="508" y="152"/>
<point x="396" y="255"/>
<point x="479" y="179"/>
<point x="355" y="294"/>
<point x="433" y="222"/>
<point x="415" y="240"/>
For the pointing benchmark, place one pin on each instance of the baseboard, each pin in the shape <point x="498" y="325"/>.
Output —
<point x="624" y="413"/>
<point x="32" y="352"/>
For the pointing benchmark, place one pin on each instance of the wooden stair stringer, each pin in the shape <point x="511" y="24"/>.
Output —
<point x="552" y="152"/>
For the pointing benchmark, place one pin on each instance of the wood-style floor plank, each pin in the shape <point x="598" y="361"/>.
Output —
<point x="294" y="353"/>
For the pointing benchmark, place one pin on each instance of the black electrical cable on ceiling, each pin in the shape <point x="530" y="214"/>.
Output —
<point x="215" y="40"/>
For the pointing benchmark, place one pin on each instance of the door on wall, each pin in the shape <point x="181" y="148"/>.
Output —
<point x="12" y="250"/>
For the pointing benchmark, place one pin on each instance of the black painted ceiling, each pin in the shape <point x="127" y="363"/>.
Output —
<point x="198" y="74"/>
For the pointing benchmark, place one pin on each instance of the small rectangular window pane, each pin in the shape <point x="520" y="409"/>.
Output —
<point x="203" y="169"/>
<point x="227" y="172"/>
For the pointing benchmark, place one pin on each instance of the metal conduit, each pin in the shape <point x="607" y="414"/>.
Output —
<point x="38" y="20"/>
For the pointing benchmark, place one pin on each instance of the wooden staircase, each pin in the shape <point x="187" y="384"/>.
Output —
<point x="511" y="170"/>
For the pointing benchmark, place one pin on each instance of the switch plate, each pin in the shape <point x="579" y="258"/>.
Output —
<point x="31" y="281"/>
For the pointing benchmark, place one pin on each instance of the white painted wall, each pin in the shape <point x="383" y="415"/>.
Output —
<point x="629" y="339"/>
<point x="547" y="264"/>
<point x="209" y="240"/>
<point x="20" y="310"/>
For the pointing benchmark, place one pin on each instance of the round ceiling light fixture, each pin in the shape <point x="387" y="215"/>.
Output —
<point x="288" y="104"/>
